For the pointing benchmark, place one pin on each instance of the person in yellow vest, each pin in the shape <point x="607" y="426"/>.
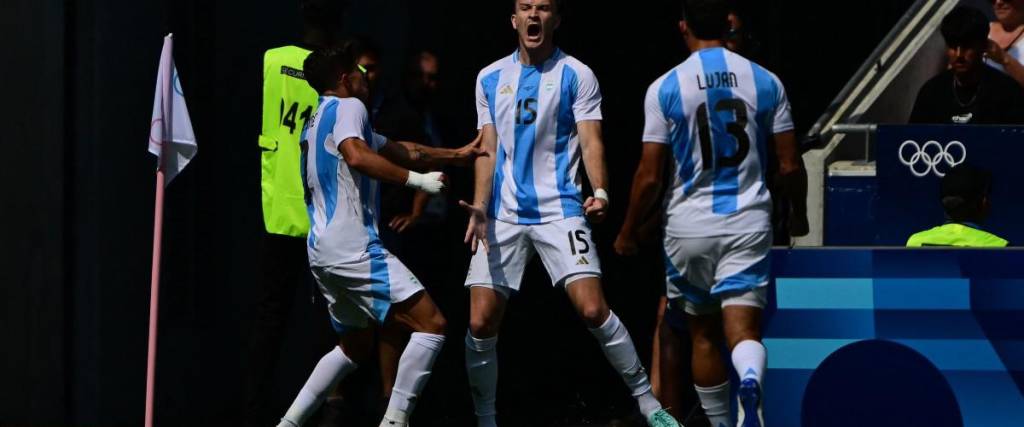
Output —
<point x="965" y="197"/>
<point x="288" y="102"/>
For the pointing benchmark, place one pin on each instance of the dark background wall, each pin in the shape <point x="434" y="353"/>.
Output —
<point x="77" y="84"/>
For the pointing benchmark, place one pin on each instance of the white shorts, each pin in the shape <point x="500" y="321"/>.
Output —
<point x="704" y="274"/>
<point x="364" y="290"/>
<point x="565" y="247"/>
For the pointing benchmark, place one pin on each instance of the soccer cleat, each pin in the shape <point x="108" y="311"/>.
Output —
<point x="750" y="404"/>
<point x="286" y="423"/>
<point x="391" y="423"/>
<point x="662" y="419"/>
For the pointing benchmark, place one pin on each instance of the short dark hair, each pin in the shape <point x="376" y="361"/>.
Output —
<point x="323" y="66"/>
<point x="963" y="188"/>
<point x="965" y="26"/>
<point x="558" y="5"/>
<point x="707" y="19"/>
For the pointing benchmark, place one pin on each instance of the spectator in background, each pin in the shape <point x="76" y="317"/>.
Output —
<point x="969" y="92"/>
<point x="965" y="198"/>
<point x="408" y="114"/>
<point x="740" y="39"/>
<point x="1006" y="46"/>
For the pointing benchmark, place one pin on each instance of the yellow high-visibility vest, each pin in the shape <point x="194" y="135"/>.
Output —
<point x="288" y="102"/>
<point x="954" y="234"/>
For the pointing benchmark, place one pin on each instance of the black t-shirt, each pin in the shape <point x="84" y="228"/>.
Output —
<point x="997" y="100"/>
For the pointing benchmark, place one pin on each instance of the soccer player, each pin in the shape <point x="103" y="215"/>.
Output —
<point x="343" y="159"/>
<point x="540" y="114"/>
<point x="714" y="115"/>
<point x="288" y="101"/>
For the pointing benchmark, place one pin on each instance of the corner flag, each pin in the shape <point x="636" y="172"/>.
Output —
<point x="170" y="131"/>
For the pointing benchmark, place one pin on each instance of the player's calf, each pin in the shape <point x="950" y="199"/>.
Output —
<point x="330" y="370"/>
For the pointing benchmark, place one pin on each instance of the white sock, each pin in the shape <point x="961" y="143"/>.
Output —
<point x="414" y="369"/>
<point x="618" y="349"/>
<point x="486" y="421"/>
<point x="482" y="369"/>
<point x="748" y="357"/>
<point x="331" y="369"/>
<point x="715" y="401"/>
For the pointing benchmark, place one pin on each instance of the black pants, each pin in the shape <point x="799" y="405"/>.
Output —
<point x="284" y="270"/>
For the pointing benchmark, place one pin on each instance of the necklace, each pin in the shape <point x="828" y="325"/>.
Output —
<point x="956" y="84"/>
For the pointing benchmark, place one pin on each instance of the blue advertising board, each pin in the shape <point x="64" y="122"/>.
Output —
<point x="895" y="337"/>
<point x="912" y="160"/>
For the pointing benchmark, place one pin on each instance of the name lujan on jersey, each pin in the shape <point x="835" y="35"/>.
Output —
<point x="719" y="79"/>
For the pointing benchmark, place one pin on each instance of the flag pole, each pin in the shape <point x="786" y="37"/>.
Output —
<point x="154" y="294"/>
<point x="166" y="98"/>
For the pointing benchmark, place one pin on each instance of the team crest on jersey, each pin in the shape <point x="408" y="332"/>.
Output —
<point x="506" y="90"/>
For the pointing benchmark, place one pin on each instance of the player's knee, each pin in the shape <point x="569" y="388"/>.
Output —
<point x="703" y="343"/>
<point x="594" y="315"/>
<point x="356" y="351"/>
<point x="437" y="324"/>
<point x="483" y="326"/>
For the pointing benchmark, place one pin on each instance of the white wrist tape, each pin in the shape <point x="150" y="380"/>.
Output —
<point x="428" y="182"/>
<point x="600" y="193"/>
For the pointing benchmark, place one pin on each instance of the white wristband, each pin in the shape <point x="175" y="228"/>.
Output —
<point x="428" y="182"/>
<point x="601" y="194"/>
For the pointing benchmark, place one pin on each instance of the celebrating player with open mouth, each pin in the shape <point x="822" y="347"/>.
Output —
<point x="538" y="109"/>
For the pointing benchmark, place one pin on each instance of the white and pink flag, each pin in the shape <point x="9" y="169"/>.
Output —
<point x="170" y="133"/>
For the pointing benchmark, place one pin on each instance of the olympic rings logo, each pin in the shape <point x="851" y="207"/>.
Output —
<point x="930" y="155"/>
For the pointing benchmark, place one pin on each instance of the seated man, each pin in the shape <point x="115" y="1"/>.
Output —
<point x="969" y="92"/>
<point x="965" y="191"/>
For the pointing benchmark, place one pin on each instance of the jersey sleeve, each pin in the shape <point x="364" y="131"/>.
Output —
<point x="483" y="107"/>
<point x="588" y="96"/>
<point x="352" y="119"/>
<point x="379" y="141"/>
<point x="783" y="118"/>
<point x="656" y="125"/>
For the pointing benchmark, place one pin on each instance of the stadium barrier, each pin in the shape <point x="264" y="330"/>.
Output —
<point x="861" y="337"/>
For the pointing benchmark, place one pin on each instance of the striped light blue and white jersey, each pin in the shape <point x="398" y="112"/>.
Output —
<point x="534" y="109"/>
<point x="716" y="111"/>
<point x="343" y="204"/>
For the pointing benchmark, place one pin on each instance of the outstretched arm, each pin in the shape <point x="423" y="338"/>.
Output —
<point x="360" y="157"/>
<point x="422" y="157"/>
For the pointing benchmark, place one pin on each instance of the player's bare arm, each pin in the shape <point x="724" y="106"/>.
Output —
<point x="595" y="207"/>
<point x="402" y="222"/>
<point x="792" y="181"/>
<point x="643" y="197"/>
<point x="360" y="157"/>
<point x="422" y="157"/>
<point x="476" y="231"/>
